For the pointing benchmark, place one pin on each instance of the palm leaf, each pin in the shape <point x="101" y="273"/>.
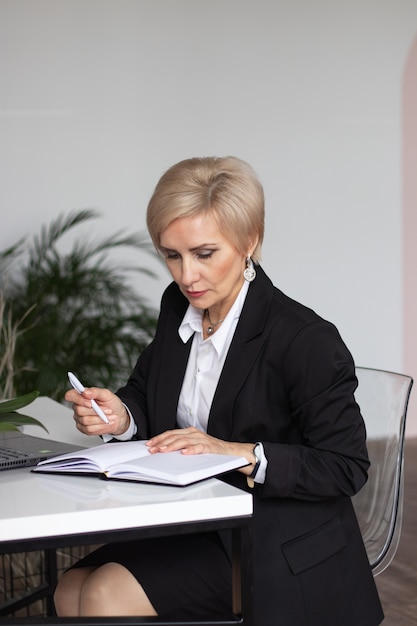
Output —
<point x="9" y="406"/>
<point x="12" y="421"/>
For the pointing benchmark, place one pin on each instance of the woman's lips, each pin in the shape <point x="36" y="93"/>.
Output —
<point x="195" y="294"/>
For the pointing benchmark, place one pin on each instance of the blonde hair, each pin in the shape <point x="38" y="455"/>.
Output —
<point x="225" y="187"/>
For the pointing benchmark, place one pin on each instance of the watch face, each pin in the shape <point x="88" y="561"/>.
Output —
<point x="257" y="451"/>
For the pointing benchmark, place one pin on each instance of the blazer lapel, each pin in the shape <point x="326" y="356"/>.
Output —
<point x="247" y="341"/>
<point x="173" y="357"/>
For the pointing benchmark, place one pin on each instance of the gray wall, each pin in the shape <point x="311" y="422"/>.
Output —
<point x="99" y="97"/>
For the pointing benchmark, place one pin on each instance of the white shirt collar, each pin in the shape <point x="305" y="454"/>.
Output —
<point x="193" y="322"/>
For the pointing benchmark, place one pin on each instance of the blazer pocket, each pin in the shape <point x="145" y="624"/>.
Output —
<point x="314" y="547"/>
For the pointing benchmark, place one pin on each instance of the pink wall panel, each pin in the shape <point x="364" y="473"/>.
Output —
<point x="410" y="228"/>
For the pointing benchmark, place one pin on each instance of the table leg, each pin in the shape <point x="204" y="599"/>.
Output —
<point x="242" y="576"/>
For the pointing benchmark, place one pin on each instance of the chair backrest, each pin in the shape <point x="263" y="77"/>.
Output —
<point x="383" y="399"/>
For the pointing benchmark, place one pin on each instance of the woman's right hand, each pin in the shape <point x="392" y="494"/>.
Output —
<point x="88" y="422"/>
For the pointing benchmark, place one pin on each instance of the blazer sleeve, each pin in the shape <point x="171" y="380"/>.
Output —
<point x="133" y="394"/>
<point x="326" y="457"/>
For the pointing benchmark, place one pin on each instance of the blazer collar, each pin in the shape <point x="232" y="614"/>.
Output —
<point x="254" y="312"/>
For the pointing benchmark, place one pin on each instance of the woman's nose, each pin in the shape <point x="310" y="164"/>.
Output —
<point x="189" y="273"/>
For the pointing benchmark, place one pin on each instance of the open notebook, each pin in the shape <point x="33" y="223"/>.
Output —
<point x="131" y="460"/>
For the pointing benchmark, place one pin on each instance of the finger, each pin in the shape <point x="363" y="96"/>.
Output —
<point x="72" y="396"/>
<point x="163" y="438"/>
<point x="197" y="448"/>
<point x="157" y="439"/>
<point x="104" y="397"/>
<point x="92" y="425"/>
<point x="177" y="440"/>
<point x="98" y="393"/>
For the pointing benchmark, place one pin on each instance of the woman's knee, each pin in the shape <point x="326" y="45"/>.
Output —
<point x="68" y="591"/>
<point x="113" y="590"/>
<point x="98" y="588"/>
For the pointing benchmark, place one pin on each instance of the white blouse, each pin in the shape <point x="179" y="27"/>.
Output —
<point x="205" y="363"/>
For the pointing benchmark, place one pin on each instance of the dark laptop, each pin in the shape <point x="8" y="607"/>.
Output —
<point x="20" y="450"/>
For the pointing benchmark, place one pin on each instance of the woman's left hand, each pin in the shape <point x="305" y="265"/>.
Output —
<point x="193" y="441"/>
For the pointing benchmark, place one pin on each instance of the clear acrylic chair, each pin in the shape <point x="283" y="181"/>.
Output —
<point x="383" y="398"/>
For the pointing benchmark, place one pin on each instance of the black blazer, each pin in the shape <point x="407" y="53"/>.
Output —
<point x="288" y="381"/>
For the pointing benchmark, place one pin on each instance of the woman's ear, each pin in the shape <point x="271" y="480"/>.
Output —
<point x="252" y="246"/>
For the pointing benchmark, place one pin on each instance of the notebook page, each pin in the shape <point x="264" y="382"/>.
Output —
<point x="105" y="454"/>
<point x="176" y="467"/>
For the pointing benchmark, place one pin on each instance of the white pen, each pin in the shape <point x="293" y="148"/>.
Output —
<point x="78" y="386"/>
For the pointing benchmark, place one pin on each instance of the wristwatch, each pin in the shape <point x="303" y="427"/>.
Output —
<point x="257" y="451"/>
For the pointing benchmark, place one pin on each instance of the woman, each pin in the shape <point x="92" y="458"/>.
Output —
<point x="236" y="367"/>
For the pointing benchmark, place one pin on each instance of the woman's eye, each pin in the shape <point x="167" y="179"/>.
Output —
<point x="202" y="255"/>
<point x="170" y="255"/>
<point x="205" y="254"/>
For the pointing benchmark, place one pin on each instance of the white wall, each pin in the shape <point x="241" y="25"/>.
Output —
<point x="99" y="97"/>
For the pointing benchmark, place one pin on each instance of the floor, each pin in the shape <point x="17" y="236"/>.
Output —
<point x="398" y="584"/>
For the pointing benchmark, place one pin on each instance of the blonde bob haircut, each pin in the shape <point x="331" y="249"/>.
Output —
<point x="225" y="187"/>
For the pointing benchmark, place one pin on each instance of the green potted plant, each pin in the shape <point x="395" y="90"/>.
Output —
<point x="76" y="309"/>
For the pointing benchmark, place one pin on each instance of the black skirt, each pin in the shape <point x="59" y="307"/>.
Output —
<point x="184" y="576"/>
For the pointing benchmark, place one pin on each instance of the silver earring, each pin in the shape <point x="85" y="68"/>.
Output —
<point x="249" y="272"/>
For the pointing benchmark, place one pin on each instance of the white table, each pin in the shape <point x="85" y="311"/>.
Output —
<point x="46" y="511"/>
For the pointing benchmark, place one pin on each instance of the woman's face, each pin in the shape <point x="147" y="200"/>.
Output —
<point x="206" y="266"/>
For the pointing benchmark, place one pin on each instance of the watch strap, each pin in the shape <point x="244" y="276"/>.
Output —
<point x="258" y="460"/>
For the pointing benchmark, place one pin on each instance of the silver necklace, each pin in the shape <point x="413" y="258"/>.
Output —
<point x="212" y="326"/>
